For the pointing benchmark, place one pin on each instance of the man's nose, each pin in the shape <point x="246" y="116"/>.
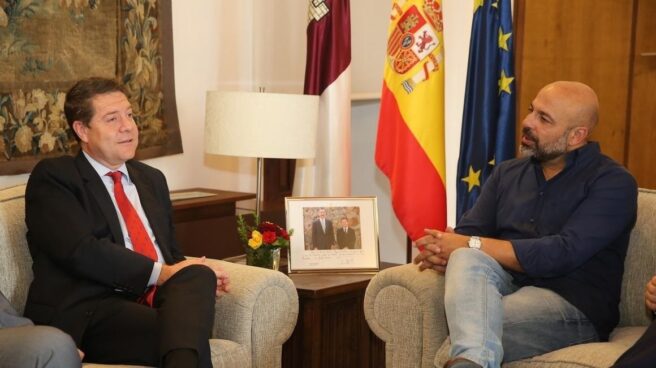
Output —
<point x="127" y="123"/>
<point x="528" y="120"/>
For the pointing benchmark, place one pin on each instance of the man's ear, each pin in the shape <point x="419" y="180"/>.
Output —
<point x="579" y="135"/>
<point x="81" y="130"/>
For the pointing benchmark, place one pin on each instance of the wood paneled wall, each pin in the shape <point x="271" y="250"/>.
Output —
<point x="608" y="44"/>
<point x="584" y="40"/>
<point x="641" y="142"/>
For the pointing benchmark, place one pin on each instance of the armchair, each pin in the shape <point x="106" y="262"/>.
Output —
<point x="405" y="308"/>
<point x="252" y="321"/>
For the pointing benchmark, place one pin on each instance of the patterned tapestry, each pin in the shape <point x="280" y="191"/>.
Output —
<point x="47" y="45"/>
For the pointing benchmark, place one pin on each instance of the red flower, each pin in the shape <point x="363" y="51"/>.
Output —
<point x="284" y="234"/>
<point x="269" y="237"/>
<point x="267" y="226"/>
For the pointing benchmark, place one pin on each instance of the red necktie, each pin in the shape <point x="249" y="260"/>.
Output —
<point x="141" y="242"/>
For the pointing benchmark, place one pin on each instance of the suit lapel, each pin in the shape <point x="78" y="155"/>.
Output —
<point x="151" y="207"/>
<point x="98" y="192"/>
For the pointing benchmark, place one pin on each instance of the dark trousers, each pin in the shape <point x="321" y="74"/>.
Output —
<point x="643" y="353"/>
<point x="181" y="319"/>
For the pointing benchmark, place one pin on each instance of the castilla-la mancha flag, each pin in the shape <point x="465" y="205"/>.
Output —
<point x="410" y="142"/>
<point x="328" y="75"/>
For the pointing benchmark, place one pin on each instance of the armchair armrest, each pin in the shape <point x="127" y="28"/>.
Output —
<point x="259" y="312"/>
<point x="405" y="308"/>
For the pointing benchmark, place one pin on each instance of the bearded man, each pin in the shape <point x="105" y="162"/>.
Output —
<point x="536" y="265"/>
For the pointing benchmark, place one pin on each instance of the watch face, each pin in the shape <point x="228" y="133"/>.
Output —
<point x="474" y="242"/>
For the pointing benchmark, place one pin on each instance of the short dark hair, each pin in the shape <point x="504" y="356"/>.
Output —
<point x="78" y="105"/>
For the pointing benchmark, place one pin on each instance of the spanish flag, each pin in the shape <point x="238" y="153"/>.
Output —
<point x="410" y="142"/>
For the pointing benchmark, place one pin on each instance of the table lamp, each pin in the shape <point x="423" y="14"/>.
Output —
<point x="261" y="125"/>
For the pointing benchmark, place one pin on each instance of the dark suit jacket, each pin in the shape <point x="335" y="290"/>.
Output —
<point x="322" y="239"/>
<point x="345" y="239"/>
<point x="76" y="242"/>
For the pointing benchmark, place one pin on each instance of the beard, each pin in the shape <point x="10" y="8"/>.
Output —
<point x="543" y="152"/>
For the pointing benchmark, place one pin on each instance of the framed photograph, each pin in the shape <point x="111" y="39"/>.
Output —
<point x="332" y="234"/>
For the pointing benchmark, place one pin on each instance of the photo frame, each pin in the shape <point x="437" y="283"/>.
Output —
<point x="333" y="234"/>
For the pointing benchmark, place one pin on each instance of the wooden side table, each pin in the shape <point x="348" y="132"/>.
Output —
<point x="331" y="330"/>
<point x="207" y="226"/>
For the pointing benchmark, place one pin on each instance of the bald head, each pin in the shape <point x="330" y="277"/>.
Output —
<point x="576" y="102"/>
<point x="560" y="120"/>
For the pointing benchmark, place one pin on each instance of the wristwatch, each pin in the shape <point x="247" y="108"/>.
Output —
<point x="474" y="242"/>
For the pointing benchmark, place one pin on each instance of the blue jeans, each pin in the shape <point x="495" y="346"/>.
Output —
<point x="491" y="320"/>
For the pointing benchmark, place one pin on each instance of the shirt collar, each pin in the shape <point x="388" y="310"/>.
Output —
<point x="591" y="148"/>
<point x="102" y="170"/>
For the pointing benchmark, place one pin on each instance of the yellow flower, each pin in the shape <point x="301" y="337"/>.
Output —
<point x="39" y="98"/>
<point x="256" y="239"/>
<point x="47" y="142"/>
<point x="23" y="139"/>
<point x="18" y="98"/>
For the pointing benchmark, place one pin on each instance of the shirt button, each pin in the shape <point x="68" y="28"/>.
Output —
<point x="532" y="220"/>
<point x="540" y="194"/>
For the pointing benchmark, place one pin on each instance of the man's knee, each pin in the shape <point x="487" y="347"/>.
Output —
<point x="200" y="276"/>
<point x="48" y="345"/>
<point x="203" y="273"/>
<point x="46" y="336"/>
<point x="468" y="258"/>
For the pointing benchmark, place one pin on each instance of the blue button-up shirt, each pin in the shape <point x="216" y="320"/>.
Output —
<point x="570" y="233"/>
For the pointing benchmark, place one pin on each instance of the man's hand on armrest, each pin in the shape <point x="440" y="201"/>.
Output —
<point x="650" y="294"/>
<point x="222" y="277"/>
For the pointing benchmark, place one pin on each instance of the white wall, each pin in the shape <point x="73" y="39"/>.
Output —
<point x="245" y="44"/>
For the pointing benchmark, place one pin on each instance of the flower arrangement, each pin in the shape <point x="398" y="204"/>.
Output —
<point x="262" y="241"/>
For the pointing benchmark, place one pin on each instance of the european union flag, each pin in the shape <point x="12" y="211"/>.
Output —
<point x="488" y="124"/>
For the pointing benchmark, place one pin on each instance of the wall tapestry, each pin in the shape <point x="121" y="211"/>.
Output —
<point x="47" y="45"/>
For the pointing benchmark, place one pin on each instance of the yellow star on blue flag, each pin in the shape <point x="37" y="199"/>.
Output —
<point x="473" y="179"/>
<point x="478" y="4"/>
<point x="503" y="39"/>
<point x="488" y="122"/>
<point x="504" y="82"/>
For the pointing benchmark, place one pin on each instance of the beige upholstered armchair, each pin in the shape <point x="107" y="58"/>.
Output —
<point x="405" y="308"/>
<point x="252" y="321"/>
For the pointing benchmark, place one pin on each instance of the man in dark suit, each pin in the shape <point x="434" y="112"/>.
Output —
<point x="323" y="235"/>
<point x="345" y="235"/>
<point x="107" y="269"/>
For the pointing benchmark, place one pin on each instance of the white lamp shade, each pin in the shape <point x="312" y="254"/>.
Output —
<point x="268" y="125"/>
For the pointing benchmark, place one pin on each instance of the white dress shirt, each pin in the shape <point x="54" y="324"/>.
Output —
<point x="133" y="196"/>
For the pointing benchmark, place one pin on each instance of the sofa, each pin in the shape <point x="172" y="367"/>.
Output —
<point x="252" y="321"/>
<point x="405" y="309"/>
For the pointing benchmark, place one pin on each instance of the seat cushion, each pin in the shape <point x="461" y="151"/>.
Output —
<point x="592" y="355"/>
